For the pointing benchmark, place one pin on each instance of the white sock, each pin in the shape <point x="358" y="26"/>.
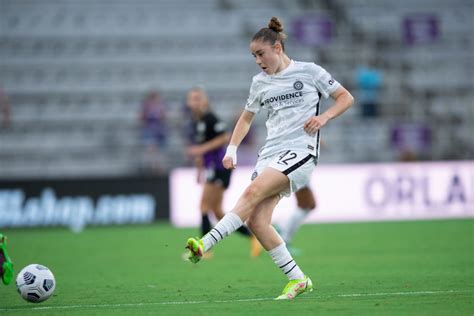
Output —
<point x="282" y="258"/>
<point x="294" y="222"/>
<point x="226" y="226"/>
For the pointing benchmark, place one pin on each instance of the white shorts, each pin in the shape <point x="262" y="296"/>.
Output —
<point x="296" y="165"/>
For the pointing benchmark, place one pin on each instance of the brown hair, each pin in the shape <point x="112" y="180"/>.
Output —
<point x="272" y="33"/>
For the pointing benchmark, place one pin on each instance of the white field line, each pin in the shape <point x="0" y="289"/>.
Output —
<point x="92" y="306"/>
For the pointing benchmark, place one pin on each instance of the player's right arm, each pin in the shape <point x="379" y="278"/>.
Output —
<point x="240" y="131"/>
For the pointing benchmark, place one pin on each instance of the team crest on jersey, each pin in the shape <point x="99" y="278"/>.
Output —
<point x="254" y="175"/>
<point x="298" y="85"/>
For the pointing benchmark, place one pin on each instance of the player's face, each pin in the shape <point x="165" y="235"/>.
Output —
<point x="267" y="56"/>
<point x="196" y="101"/>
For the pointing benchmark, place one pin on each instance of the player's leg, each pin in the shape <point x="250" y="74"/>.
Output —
<point x="211" y="194"/>
<point x="255" y="247"/>
<point x="207" y="203"/>
<point x="306" y="203"/>
<point x="219" y="212"/>
<point x="205" y="208"/>
<point x="260" y="224"/>
<point x="216" y="206"/>
<point x="269" y="183"/>
<point x="219" y="182"/>
<point x="6" y="265"/>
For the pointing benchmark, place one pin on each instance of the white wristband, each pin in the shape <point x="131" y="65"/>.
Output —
<point x="232" y="153"/>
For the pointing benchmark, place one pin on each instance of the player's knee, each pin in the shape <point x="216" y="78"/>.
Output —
<point x="305" y="199"/>
<point x="218" y="213"/>
<point x="252" y="193"/>
<point x="209" y="204"/>
<point x="205" y="208"/>
<point x="254" y="224"/>
<point x="307" y="205"/>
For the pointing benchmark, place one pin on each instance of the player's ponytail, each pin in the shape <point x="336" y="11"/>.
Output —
<point x="272" y="33"/>
<point x="275" y="25"/>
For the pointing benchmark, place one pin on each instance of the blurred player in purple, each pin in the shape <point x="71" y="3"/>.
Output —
<point x="153" y="122"/>
<point x="210" y="139"/>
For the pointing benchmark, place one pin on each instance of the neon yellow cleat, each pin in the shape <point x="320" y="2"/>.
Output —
<point x="196" y="249"/>
<point x="295" y="288"/>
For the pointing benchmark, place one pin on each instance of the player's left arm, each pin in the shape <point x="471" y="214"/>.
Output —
<point x="343" y="100"/>
<point x="216" y="142"/>
<point x="198" y="162"/>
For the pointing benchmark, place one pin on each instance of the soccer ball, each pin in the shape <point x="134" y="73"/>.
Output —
<point x="35" y="283"/>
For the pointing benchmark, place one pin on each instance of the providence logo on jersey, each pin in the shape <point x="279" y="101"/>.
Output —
<point x="283" y="97"/>
<point x="298" y="85"/>
<point x="290" y="98"/>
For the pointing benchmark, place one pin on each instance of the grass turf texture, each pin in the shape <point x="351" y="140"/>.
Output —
<point x="398" y="268"/>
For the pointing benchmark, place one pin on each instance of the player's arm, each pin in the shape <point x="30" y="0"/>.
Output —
<point x="198" y="162"/>
<point x="216" y="142"/>
<point x="241" y="128"/>
<point x="240" y="131"/>
<point x="343" y="100"/>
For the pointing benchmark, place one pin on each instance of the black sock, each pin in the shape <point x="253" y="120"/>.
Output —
<point x="205" y="224"/>
<point x="244" y="231"/>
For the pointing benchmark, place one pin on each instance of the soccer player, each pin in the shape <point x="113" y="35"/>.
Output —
<point x="6" y="265"/>
<point x="210" y="137"/>
<point x="290" y="91"/>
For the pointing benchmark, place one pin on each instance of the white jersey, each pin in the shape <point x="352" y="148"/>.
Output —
<point x="291" y="97"/>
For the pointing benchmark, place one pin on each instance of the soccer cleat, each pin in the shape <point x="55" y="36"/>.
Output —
<point x="196" y="249"/>
<point x="295" y="288"/>
<point x="208" y="255"/>
<point x="6" y="266"/>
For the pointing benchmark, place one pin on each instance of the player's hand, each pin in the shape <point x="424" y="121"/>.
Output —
<point x="194" y="150"/>
<point x="313" y="124"/>
<point x="230" y="158"/>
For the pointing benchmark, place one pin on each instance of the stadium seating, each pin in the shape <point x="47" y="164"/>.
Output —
<point x="76" y="71"/>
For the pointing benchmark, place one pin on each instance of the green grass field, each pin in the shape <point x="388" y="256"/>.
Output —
<point x="400" y="268"/>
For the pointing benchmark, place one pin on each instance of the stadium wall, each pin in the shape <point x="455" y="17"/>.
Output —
<point x="345" y="193"/>
<point x="80" y="202"/>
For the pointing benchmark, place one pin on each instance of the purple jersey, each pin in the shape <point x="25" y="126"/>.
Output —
<point x="207" y="128"/>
